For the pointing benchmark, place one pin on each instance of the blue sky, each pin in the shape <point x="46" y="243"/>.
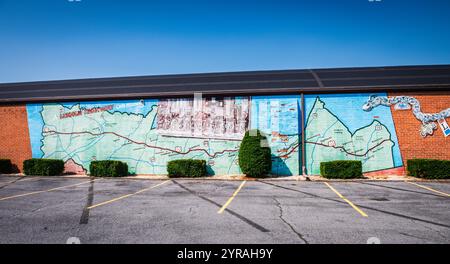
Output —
<point x="59" y="39"/>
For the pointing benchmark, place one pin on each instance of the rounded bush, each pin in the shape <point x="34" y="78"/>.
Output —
<point x="186" y="168"/>
<point x="5" y="166"/>
<point x="428" y="168"/>
<point x="254" y="155"/>
<point x="43" y="167"/>
<point x="341" y="169"/>
<point x="108" y="168"/>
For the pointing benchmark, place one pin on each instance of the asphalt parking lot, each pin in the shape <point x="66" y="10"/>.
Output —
<point x="52" y="210"/>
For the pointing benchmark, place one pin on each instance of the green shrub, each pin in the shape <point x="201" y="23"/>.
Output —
<point x="5" y="166"/>
<point x="428" y="168"/>
<point x="43" y="167"/>
<point x="186" y="168"/>
<point x="254" y="160"/>
<point x="341" y="169"/>
<point x="108" y="168"/>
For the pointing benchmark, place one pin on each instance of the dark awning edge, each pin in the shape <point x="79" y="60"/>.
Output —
<point x="343" y="80"/>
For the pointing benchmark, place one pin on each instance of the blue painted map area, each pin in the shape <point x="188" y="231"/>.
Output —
<point x="36" y="122"/>
<point x="278" y="118"/>
<point x="276" y="113"/>
<point x="80" y="132"/>
<point x="348" y="109"/>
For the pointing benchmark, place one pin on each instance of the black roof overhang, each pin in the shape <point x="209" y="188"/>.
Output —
<point x="338" y="80"/>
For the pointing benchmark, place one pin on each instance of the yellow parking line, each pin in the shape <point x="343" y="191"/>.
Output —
<point x="345" y="199"/>
<point x="428" y="188"/>
<point x="231" y="198"/>
<point x="37" y="192"/>
<point x="125" y="196"/>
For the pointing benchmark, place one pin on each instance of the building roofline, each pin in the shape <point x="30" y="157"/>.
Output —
<point x="354" y="79"/>
<point x="230" y="73"/>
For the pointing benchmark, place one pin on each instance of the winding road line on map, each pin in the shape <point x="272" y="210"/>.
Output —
<point x="216" y="153"/>
<point x="337" y="147"/>
<point x="349" y="153"/>
<point x="143" y="143"/>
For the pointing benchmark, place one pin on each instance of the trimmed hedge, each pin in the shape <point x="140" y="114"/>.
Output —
<point x="43" y="167"/>
<point x="254" y="160"/>
<point x="428" y="168"/>
<point x="186" y="168"/>
<point x="108" y="168"/>
<point x="5" y="166"/>
<point x="341" y="169"/>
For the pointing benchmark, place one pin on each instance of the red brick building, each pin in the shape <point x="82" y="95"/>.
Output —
<point x="310" y="115"/>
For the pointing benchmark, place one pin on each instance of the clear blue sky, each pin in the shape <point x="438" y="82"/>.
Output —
<point x="59" y="39"/>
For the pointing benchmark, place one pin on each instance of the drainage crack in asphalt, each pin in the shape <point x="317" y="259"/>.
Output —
<point x="246" y="220"/>
<point x="280" y="207"/>
<point x="84" y="219"/>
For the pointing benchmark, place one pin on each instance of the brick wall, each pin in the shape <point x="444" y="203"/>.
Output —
<point x="14" y="136"/>
<point x="412" y="144"/>
<point x="15" y="141"/>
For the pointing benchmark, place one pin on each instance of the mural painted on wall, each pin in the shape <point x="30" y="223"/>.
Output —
<point x="224" y="118"/>
<point x="278" y="117"/>
<point x="148" y="133"/>
<point x="337" y="128"/>
<point x="405" y="103"/>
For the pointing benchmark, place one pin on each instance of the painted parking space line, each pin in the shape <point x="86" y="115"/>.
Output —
<point x="361" y="212"/>
<point x="231" y="198"/>
<point x="126" y="196"/>
<point x="428" y="188"/>
<point x="43" y="191"/>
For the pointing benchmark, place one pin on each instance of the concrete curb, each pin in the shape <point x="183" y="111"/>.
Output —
<point x="212" y="178"/>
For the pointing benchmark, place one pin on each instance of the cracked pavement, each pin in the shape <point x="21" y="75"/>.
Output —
<point x="287" y="223"/>
<point x="185" y="211"/>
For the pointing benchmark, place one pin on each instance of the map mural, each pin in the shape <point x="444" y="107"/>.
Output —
<point x="224" y="118"/>
<point x="121" y="130"/>
<point x="146" y="134"/>
<point x="278" y="117"/>
<point x="337" y="128"/>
